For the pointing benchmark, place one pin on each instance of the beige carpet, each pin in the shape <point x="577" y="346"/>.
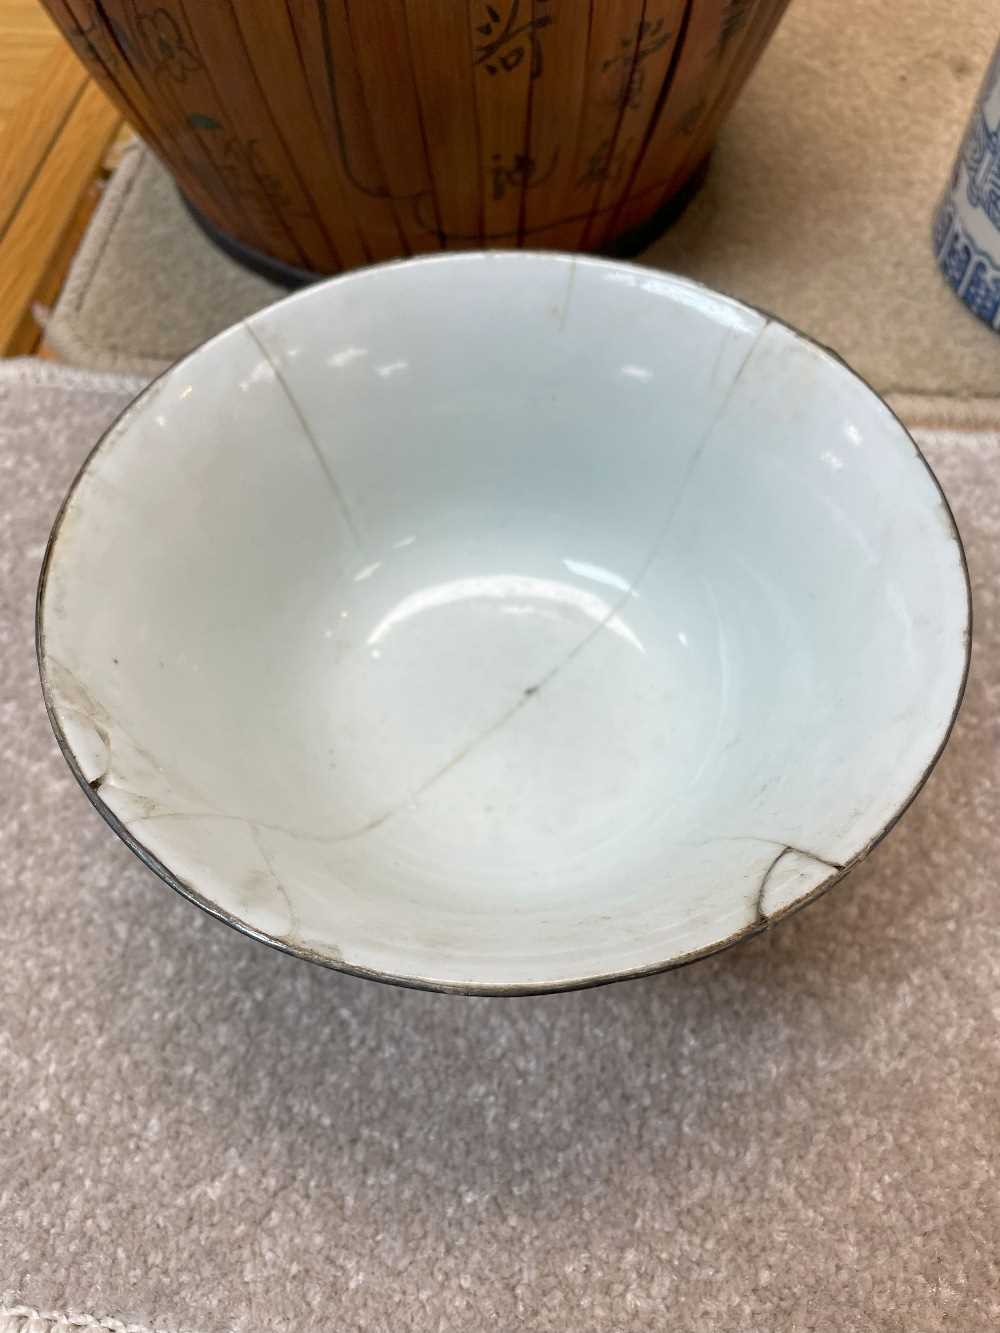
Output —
<point x="797" y="1136"/>
<point x="817" y="207"/>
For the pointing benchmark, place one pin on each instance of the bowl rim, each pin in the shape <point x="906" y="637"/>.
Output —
<point x="213" y="909"/>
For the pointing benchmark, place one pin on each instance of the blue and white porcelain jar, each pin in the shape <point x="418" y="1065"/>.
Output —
<point x="967" y="223"/>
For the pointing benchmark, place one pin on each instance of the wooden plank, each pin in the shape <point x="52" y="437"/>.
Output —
<point x="638" y="89"/>
<point x="95" y="43"/>
<point x="21" y="59"/>
<point x="25" y="16"/>
<point x="508" y="56"/>
<point x="27" y="38"/>
<point x="271" y="41"/>
<point x="32" y="239"/>
<point x="759" y="27"/>
<point x="324" y="41"/>
<point x="590" y="158"/>
<point x="551" y="172"/>
<point x="684" y="100"/>
<point x="723" y="41"/>
<point x="255" y="154"/>
<point x="382" y="51"/>
<point x="441" y="47"/>
<point x="27" y="341"/>
<point x="35" y="126"/>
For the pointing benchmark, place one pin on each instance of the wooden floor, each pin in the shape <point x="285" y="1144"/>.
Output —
<point x="27" y="36"/>
<point x="56" y="127"/>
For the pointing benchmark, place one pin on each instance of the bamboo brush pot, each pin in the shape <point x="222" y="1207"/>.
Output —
<point x="310" y="136"/>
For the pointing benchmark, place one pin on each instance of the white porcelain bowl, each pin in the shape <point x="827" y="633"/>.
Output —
<point x="504" y="622"/>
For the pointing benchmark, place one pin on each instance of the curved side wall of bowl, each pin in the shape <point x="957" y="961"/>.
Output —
<point x="583" y="637"/>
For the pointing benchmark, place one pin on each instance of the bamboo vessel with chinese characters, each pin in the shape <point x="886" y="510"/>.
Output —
<point x="318" y="135"/>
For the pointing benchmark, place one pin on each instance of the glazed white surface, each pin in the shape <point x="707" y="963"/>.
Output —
<point x="505" y="621"/>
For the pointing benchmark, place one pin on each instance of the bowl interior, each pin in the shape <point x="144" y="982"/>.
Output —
<point x="504" y="621"/>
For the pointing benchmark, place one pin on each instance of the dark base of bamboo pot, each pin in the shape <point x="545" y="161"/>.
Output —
<point x="275" y="270"/>
<point x="632" y="243"/>
<point x="626" y="246"/>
